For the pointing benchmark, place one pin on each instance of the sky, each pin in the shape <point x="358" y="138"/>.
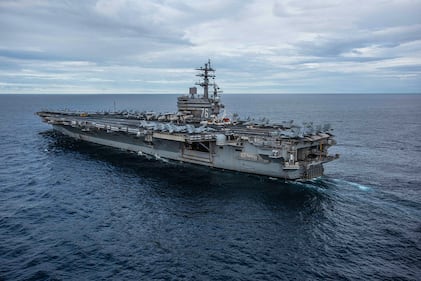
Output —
<point x="261" y="46"/>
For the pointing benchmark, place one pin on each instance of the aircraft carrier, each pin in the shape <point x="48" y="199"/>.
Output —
<point x="198" y="134"/>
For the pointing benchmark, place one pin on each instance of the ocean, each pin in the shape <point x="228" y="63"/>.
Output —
<point x="71" y="210"/>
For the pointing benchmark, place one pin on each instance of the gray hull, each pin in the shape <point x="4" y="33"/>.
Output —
<point x="221" y="157"/>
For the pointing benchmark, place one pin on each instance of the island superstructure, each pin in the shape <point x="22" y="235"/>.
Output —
<point x="197" y="134"/>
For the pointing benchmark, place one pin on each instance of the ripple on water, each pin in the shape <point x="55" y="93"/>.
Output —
<point x="70" y="210"/>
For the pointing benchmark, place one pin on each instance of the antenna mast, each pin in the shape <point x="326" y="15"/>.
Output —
<point x="206" y="72"/>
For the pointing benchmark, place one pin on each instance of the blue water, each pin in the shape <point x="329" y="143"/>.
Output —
<point x="76" y="211"/>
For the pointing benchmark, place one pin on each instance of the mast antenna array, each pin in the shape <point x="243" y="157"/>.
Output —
<point x="206" y="73"/>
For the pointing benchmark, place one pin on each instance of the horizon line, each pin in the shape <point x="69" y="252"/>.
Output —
<point x="263" y="93"/>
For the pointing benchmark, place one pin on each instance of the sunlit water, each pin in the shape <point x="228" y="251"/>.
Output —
<point x="76" y="211"/>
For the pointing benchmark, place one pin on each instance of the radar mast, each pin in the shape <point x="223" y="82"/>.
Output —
<point x="206" y="73"/>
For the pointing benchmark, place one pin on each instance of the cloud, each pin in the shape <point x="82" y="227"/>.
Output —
<point x="257" y="46"/>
